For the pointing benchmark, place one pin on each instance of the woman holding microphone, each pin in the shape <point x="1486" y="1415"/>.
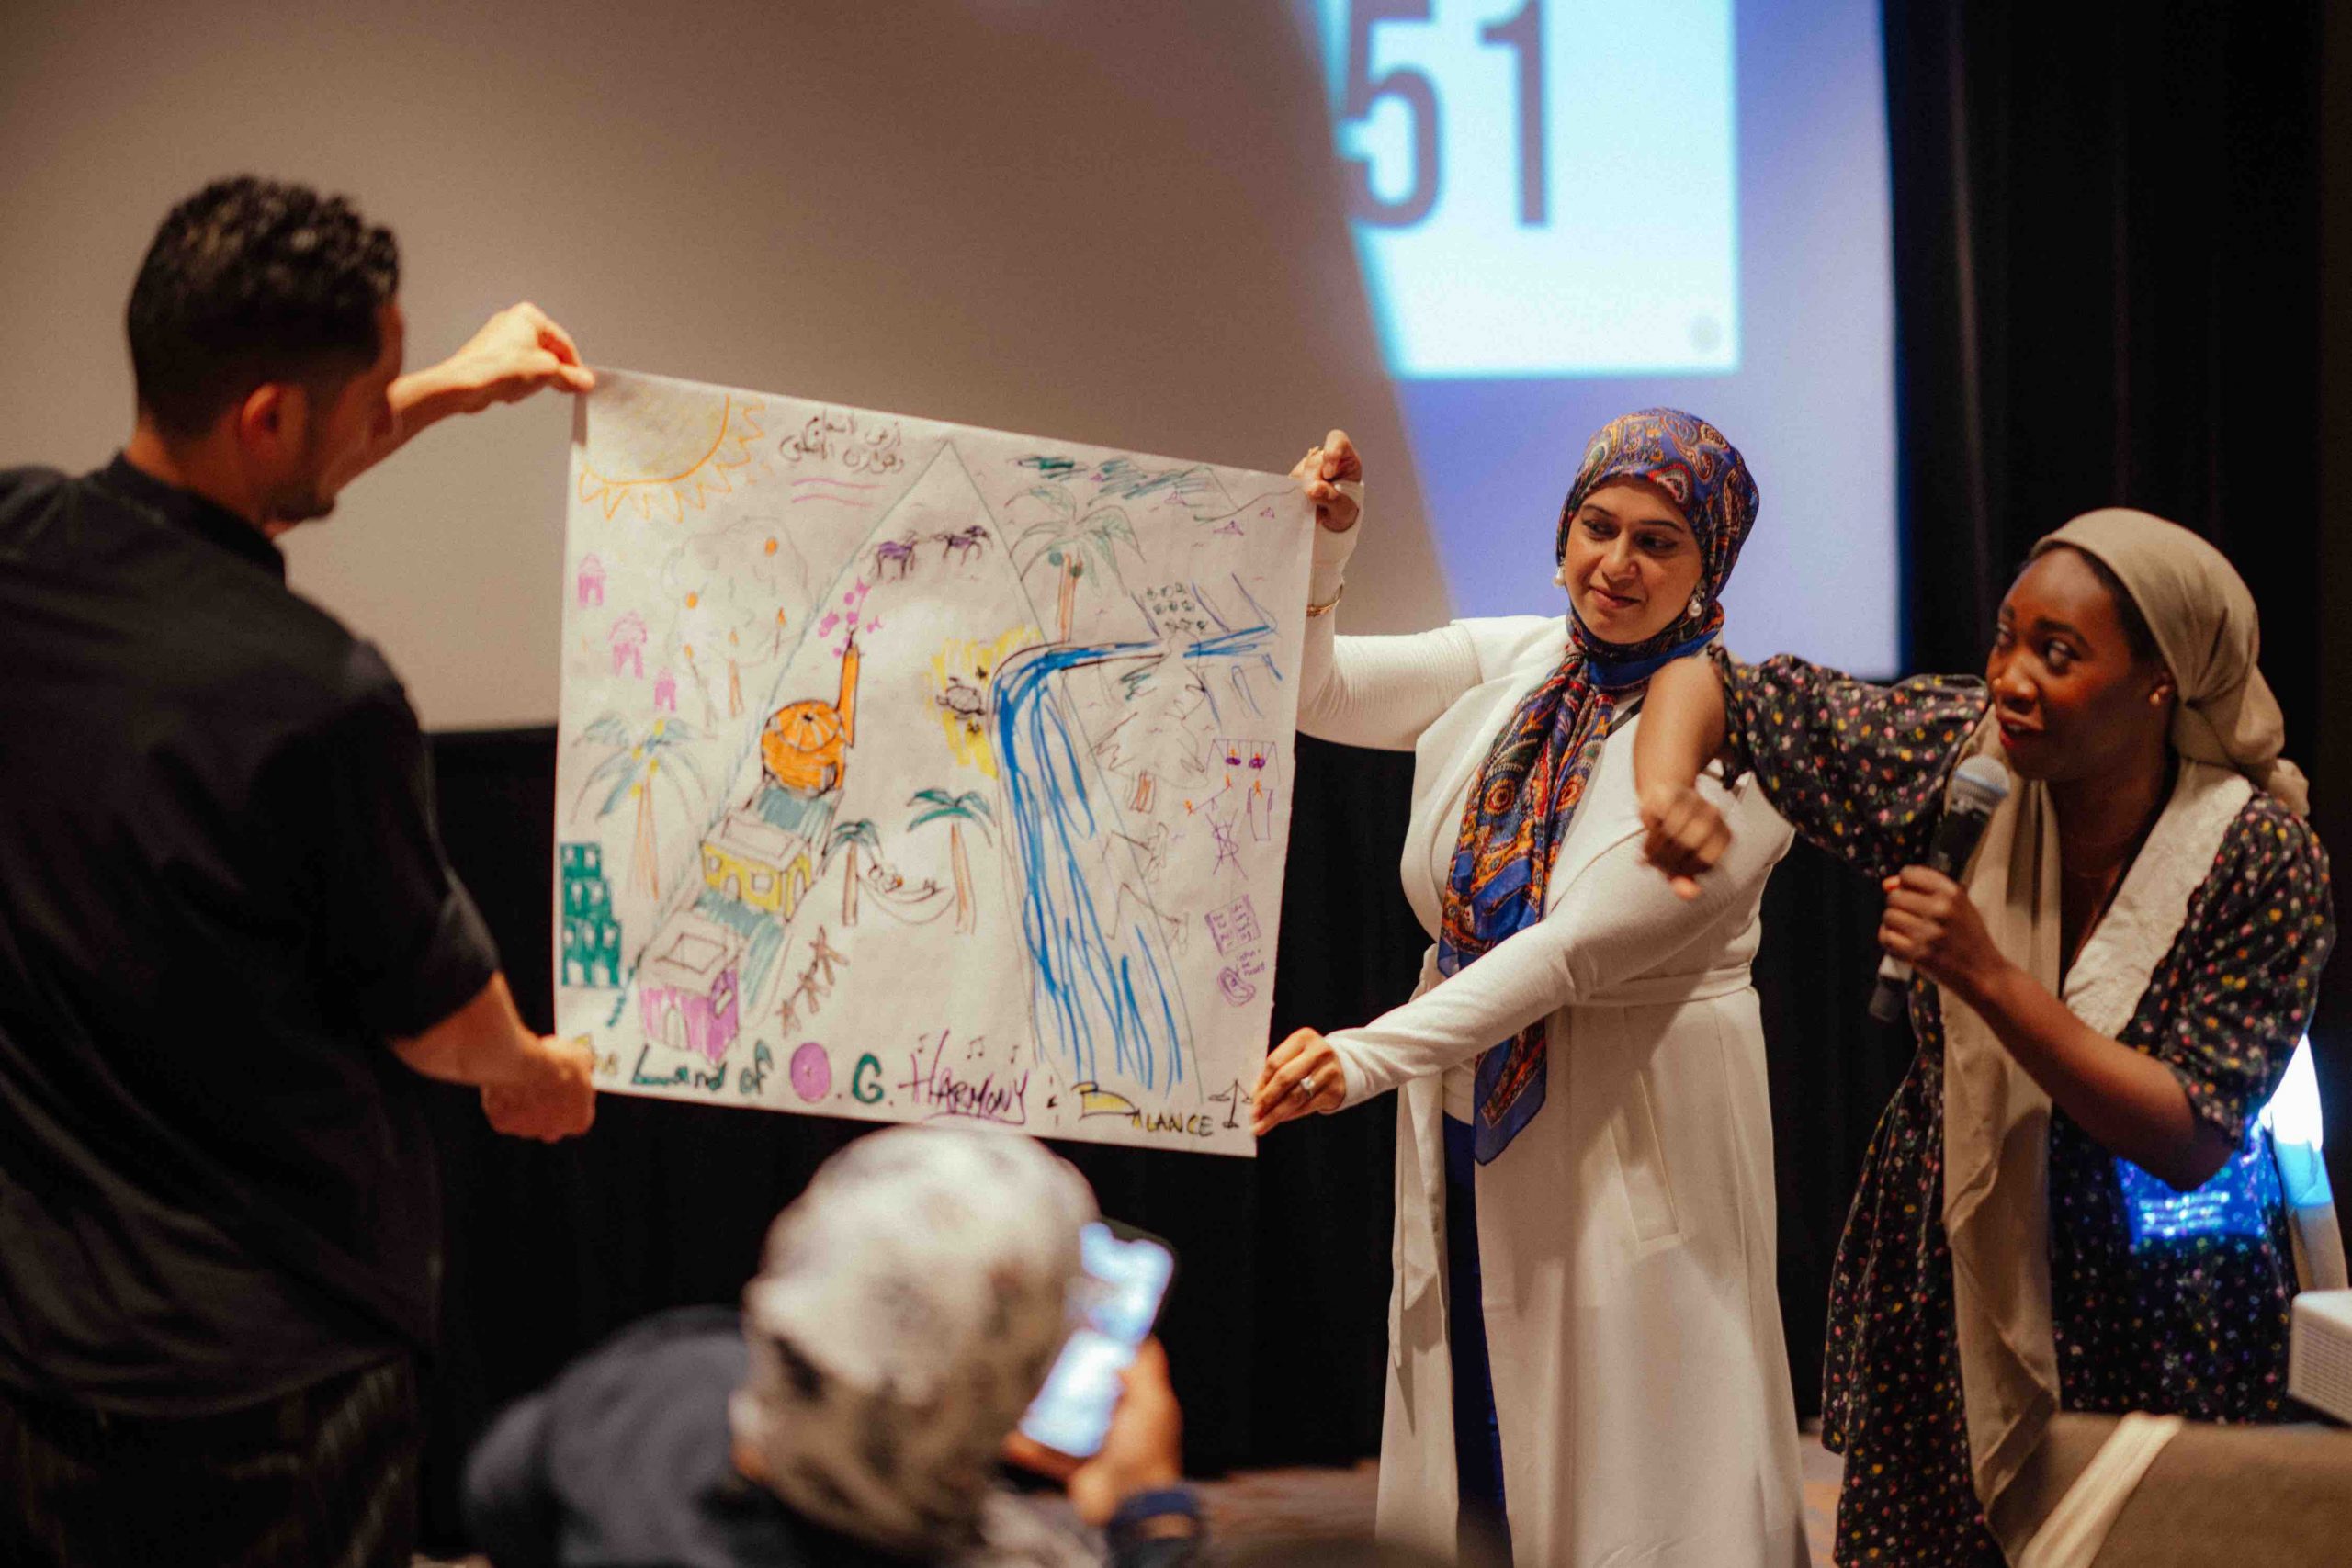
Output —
<point x="1585" y="1339"/>
<point x="2103" y="1001"/>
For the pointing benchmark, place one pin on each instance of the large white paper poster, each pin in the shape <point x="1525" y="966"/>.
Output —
<point x="910" y="771"/>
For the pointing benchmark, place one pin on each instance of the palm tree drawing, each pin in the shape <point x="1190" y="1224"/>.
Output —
<point x="853" y="835"/>
<point x="632" y="772"/>
<point x="1070" y="540"/>
<point x="955" y="810"/>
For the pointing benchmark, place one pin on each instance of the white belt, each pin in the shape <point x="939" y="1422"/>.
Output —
<point x="1651" y="990"/>
<point x="1662" y="990"/>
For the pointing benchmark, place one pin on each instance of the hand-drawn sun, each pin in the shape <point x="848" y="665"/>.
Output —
<point x="673" y="463"/>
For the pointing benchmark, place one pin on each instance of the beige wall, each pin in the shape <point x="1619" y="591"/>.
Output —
<point x="1106" y="222"/>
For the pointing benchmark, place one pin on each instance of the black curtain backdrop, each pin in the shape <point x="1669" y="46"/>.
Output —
<point x="2108" y="279"/>
<point x="2110" y="290"/>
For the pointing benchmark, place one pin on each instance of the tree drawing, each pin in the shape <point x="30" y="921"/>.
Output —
<point x="851" y="837"/>
<point x="1069" y="540"/>
<point x="632" y="771"/>
<point x="955" y="810"/>
<point x="732" y="593"/>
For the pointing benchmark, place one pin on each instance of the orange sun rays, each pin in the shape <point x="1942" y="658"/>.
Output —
<point x="717" y="470"/>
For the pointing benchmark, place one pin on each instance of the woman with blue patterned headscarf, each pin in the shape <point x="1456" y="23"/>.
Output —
<point x="1586" y="1349"/>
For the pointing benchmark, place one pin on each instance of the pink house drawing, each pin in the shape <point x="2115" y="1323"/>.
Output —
<point x="627" y="637"/>
<point x="665" y="691"/>
<point x="592" y="580"/>
<point x="687" y="999"/>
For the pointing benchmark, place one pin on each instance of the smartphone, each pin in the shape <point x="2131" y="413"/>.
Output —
<point x="1128" y="1272"/>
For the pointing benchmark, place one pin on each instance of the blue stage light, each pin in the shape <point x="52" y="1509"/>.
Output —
<point x="2278" y="1158"/>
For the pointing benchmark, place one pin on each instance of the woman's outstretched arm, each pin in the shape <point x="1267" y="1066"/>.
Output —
<point x="1681" y="730"/>
<point x="1858" y="769"/>
<point x="1376" y="692"/>
<point x="1615" y="922"/>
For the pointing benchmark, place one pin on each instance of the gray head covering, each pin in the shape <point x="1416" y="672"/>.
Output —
<point x="909" y="1308"/>
<point x="2203" y="618"/>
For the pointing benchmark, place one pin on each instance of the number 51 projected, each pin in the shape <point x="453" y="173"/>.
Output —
<point x="1540" y="188"/>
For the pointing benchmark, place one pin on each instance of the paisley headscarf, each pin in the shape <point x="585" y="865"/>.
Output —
<point x="909" y="1305"/>
<point x="1527" y="792"/>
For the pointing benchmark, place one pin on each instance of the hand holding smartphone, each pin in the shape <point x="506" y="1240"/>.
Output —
<point x="1130" y="1271"/>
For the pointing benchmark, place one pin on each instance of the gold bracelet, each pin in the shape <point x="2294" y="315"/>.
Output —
<point x="1328" y="606"/>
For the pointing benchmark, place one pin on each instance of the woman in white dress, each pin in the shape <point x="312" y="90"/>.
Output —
<point x="1585" y="1349"/>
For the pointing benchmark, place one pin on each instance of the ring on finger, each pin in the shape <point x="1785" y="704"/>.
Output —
<point x="1305" y="1086"/>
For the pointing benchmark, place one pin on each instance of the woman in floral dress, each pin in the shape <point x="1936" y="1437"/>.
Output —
<point x="2100" y="1015"/>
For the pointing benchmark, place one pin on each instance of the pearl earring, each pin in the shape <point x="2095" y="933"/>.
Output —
<point x="1561" y="577"/>
<point x="1699" y="602"/>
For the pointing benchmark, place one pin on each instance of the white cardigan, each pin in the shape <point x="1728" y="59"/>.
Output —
<point x="1626" y="1235"/>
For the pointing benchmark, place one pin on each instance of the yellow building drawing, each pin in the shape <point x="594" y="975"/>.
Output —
<point x="757" y="862"/>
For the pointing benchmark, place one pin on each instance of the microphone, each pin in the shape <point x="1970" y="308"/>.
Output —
<point x="1978" y="786"/>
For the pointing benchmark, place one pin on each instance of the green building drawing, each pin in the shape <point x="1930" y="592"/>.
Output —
<point x="591" y="936"/>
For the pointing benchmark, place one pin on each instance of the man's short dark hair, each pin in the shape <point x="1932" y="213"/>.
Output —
<point x="251" y="281"/>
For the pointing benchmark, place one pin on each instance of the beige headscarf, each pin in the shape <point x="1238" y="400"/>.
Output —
<point x="1996" y="1120"/>
<point x="2204" y="623"/>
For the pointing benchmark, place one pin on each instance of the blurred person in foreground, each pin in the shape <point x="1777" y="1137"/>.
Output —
<point x="230" y="947"/>
<point x="909" y="1305"/>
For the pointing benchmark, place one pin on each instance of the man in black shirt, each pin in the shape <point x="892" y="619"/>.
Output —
<point x="230" y="944"/>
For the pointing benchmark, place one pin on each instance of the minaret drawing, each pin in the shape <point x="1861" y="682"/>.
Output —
<point x="804" y="746"/>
